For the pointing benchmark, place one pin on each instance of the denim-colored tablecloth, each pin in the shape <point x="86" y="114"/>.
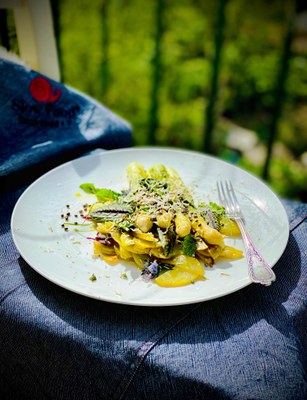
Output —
<point x="55" y="344"/>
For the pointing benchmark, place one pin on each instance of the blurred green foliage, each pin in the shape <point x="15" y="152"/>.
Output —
<point x="108" y="51"/>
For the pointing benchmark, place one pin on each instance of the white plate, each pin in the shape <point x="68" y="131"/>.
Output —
<point x="65" y="258"/>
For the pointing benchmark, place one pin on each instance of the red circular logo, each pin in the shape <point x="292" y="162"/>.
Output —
<point x="41" y="90"/>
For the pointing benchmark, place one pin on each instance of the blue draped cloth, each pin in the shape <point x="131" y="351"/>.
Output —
<point x="44" y="123"/>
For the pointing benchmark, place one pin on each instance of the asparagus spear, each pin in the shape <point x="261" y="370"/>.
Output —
<point x="135" y="172"/>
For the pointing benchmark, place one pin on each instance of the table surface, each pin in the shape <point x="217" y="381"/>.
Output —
<point x="251" y="344"/>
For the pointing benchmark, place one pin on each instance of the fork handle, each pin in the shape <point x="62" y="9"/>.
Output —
<point x="259" y="270"/>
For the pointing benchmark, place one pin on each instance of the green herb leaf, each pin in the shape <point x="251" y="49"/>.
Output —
<point x="189" y="245"/>
<point x="88" y="188"/>
<point x="107" y="194"/>
<point x="111" y="212"/>
<point x="102" y="194"/>
<point x="216" y="208"/>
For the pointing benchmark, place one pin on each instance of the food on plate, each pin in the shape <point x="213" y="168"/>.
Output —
<point x="157" y="224"/>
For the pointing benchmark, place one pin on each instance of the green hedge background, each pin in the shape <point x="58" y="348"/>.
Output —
<point x="153" y="61"/>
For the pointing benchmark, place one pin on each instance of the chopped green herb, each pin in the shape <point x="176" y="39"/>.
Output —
<point x="93" y="278"/>
<point x="216" y="208"/>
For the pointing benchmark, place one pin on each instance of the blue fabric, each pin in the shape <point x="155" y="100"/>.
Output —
<point x="251" y="344"/>
<point x="45" y="121"/>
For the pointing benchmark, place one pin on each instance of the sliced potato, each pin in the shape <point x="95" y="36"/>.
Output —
<point x="123" y="253"/>
<point x="111" y="259"/>
<point x="230" y="252"/>
<point x="229" y="227"/>
<point x="187" y="263"/>
<point x="176" y="277"/>
<point x="101" y="250"/>
<point x="105" y="227"/>
<point x="145" y="236"/>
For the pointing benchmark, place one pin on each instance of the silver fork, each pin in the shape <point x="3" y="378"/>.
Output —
<point x="259" y="270"/>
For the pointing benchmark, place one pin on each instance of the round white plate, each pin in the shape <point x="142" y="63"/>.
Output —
<point x="66" y="259"/>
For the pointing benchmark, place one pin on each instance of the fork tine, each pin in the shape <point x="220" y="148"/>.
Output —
<point x="233" y="206"/>
<point x="228" y="198"/>
<point x="222" y="195"/>
<point x="233" y="196"/>
<point x="219" y="193"/>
